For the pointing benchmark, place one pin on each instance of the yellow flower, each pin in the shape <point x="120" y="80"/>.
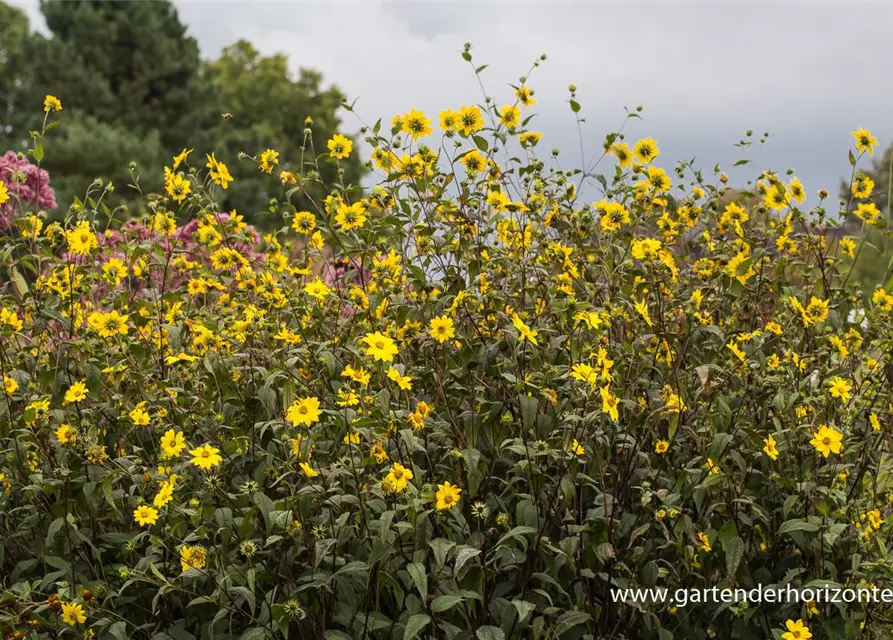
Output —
<point x="317" y="289"/>
<point x="609" y="403"/>
<point x="510" y="115"/>
<point x="712" y="467"/>
<point x="351" y="217"/>
<point x="181" y="157"/>
<point x="397" y="479"/>
<point x="404" y="382"/>
<point x="72" y="612"/>
<point x="447" y="496"/>
<point x="304" y="411"/>
<point x="268" y="159"/>
<point x="205" y="457"/>
<point x="658" y="179"/>
<point x="377" y="451"/>
<point x="704" y="541"/>
<point x="525" y="95"/>
<point x="862" y="186"/>
<point x="620" y="150"/>
<point x="576" y="448"/>
<point x="840" y="388"/>
<point x="646" y="150"/>
<point x="416" y="124"/>
<point x="795" y="191"/>
<point x="442" y="328"/>
<point x="796" y="631"/>
<point x="145" y="515"/>
<point x="172" y="443"/>
<point x="827" y="440"/>
<point x="165" y="494"/>
<point x="357" y="375"/>
<point x="309" y="471"/>
<point x="4" y="193"/>
<point x="218" y="172"/>
<point x="81" y="239"/>
<point x="51" y="103"/>
<point x="661" y="446"/>
<point x="777" y="198"/>
<point x="524" y="332"/>
<point x="530" y="138"/>
<point x="815" y="312"/>
<point x="304" y="222"/>
<point x="10" y="386"/>
<point x="139" y="415"/>
<point x="868" y="212"/>
<point x="33" y="224"/>
<point x="352" y="438"/>
<point x="584" y="373"/>
<point x="740" y="267"/>
<point x="473" y="161"/>
<point x="470" y="120"/>
<point x="735" y="349"/>
<point x="177" y="186"/>
<point x="642" y="308"/>
<point x="448" y="120"/>
<point x="65" y="434"/>
<point x="76" y="392"/>
<point x="339" y="146"/>
<point x="875" y="423"/>
<point x="11" y="319"/>
<point x="864" y="141"/>
<point x="769" y="449"/>
<point x="613" y="215"/>
<point x="379" y="346"/>
<point x="646" y="249"/>
<point x="192" y="558"/>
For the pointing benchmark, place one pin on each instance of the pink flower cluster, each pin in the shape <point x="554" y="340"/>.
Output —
<point x="26" y="182"/>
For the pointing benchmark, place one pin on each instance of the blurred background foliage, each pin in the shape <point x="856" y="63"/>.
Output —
<point x="136" y="90"/>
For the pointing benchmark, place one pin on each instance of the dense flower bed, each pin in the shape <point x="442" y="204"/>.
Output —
<point x="465" y="403"/>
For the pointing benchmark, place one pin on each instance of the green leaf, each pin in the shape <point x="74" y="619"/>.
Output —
<point x="384" y="525"/>
<point x="649" y="573"/>
<point x="19" y="281"/>
<point x="524" y="608"/>
<point x="575" y="106"/>
<point x="481" y="143"/>
<point x="529" y="409"/>
<point x="734" y="553"/>
<point x="798" y="524"/>
<point x="266" y="506"/>
<point x="419" y="577"/>
<point x="442" y="603"/>
<point x="490" y="633"/>
<point x="569" y="620"/>
<point x="517" y="532"/>
<point x="415" y="624"/>
<point x="462" y="557"/>
<point x="52" y="530"/>
<point x="441" y="548"/>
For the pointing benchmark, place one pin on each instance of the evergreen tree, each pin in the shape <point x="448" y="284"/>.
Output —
<point x="135" y="90"/>
<point x="266" y="108"/>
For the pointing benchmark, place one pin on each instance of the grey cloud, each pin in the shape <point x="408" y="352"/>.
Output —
<point x="808" y="73"/>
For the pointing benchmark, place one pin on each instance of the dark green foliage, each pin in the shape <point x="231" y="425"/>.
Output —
<point x="134" y="69"/>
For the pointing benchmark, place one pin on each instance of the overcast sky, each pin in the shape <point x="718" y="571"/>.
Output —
<point x="807" y="72"/>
